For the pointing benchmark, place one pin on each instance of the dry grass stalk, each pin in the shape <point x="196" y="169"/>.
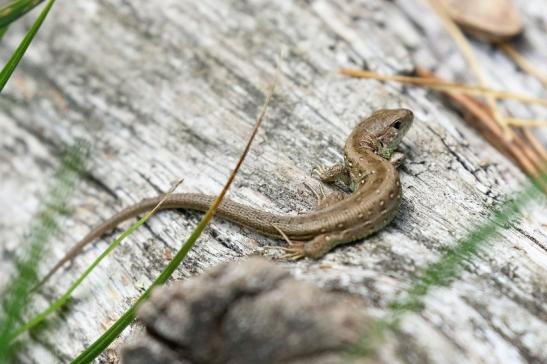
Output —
<point x="526" y="122"/>
<point x="444" y="85"/>
<point x="469" y="55"/>
<point x="524" y="149"/>
<point x="523" y="62"/>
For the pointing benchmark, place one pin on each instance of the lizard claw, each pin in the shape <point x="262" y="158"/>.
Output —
<point x="320" y="170"/>
<point x="291" y="252"/>
<point x="294" y="252"/>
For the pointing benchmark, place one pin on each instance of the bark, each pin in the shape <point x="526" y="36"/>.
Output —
<point x="170" y="89"/>
<point x="246" y="312"/>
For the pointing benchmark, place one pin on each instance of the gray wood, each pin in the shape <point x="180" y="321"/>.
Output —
<point x="254" y="318"/>
<point x="170" y="89"/>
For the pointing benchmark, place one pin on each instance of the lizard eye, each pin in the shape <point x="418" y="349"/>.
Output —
<point x="397" y="125"/>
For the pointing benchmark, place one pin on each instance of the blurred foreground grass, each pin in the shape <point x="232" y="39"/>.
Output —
<point x="15" y="296"/>
<point x="448" y="267"/>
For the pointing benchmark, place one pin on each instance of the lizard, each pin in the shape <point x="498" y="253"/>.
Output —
<point x="369" y="171"/>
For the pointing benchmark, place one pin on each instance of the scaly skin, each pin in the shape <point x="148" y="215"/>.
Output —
<point x="369" y="170"/>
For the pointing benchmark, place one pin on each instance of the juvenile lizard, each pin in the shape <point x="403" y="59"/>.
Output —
<point x="369" y="170"/>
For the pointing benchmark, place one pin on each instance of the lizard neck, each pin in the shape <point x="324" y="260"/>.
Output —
<point x="368" y="171"/>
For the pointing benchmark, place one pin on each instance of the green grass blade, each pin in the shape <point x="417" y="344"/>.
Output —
<point x="16" y="9"/>
<point x="125" y="320"/>
<point x="12" y="63"/>
<point x="15" y="297"/>
<point x="95" y="349"/>
<point x="3" y="31"/>
<point x="447" y="267"/>
<point x="66" y="296"/>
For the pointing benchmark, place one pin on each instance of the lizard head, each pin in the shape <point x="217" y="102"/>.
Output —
<point x="387" y="127"/>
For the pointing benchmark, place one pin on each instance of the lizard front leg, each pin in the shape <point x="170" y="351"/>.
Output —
<point x="326" y="200"/>
<point x="397" y="159"/>
<point x="330" y="199"/>
<point x="335" y="173"/>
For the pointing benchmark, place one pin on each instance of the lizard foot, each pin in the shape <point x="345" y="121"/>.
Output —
<point x="295" y="250"/>
<point x="332" y="174"/>
<point x="321" y="171"/>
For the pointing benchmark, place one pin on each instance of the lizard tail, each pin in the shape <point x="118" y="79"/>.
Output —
<point x="99" y="230"/>
<point x="239" y="213"/>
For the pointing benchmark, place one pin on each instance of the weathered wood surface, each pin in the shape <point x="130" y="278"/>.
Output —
<point x="259" y="314"/>
<point x="170" y="89"/>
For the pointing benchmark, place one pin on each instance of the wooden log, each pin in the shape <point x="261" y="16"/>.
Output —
<point x="170" y="89"/>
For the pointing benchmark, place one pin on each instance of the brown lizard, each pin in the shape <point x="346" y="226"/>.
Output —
<point x="369" y="170"/>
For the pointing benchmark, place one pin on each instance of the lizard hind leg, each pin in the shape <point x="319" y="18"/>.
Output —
<point x="315" y="248"/>
<point x="318" y="246"/>
<point x="294" y="248"/>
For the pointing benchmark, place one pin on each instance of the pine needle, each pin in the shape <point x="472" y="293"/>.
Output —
<point x="469" y="55"/>
<point x="526" y="122"/>
<point x="444" y="85"/>
<point x="522" y="62"/>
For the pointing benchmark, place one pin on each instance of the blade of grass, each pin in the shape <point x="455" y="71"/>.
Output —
<point x="14" y="299"/>
<point x="116" y="329"/>
<point x="16" y="9"/>
<point x="66" y="296"/>
<point x="3" y="31"/>
<point x="12" y="63"/>
<point x="447" y="267"/>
